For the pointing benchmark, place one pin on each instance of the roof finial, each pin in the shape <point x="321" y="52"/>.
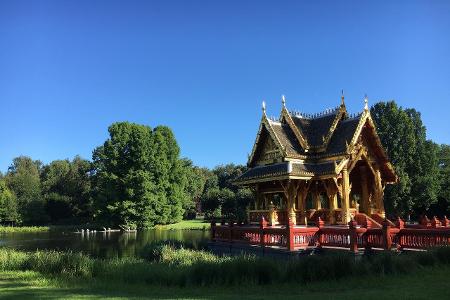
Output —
<point x="283" y="100"/>
<point x="342" y="97"/>
<point x="264" y="107"/>
<point x="366" y="102"/>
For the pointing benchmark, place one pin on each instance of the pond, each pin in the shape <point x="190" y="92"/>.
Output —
<point x="99" y="244"/>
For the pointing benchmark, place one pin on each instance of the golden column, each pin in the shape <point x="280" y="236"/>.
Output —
<point x="379" y="192"/>
<point x="345" y="196"/>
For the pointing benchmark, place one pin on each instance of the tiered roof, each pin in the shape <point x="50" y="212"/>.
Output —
<point x="311" y="145"/>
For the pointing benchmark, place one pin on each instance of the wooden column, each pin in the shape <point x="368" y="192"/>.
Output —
<point x="301" y="200"/>
<point x="290" y="192"/>
<point x="365" y="190"/>
<point x="317" y="203"/>
<point x="333" y="206"/>
<point x="345" y="195"/>
<point x="292" y="197"/>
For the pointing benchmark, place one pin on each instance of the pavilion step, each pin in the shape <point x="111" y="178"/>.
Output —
<point x="380" y="220"/>
<point x="362" y="217"/>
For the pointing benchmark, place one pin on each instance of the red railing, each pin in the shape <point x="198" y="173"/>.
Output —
<point x="408" y="238"/>
<point x="352" y="237"/>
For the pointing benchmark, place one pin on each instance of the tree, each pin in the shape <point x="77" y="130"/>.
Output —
<point x="23" y="180"/>
<point x="8" y="204"/>
<point x="442" y="206"/>
<point x="221" y="198"/>
<point x="194" y="184"/>
<point x="415" y="159"/>
<point x="138" y="176"/>
<point x="66" y="188"/>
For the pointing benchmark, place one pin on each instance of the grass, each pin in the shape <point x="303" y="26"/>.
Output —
<point x="172" y="271"/>
<point x="429" y="283"/>
<point x="10" y="229"/>
<point x="196" y="224"/>
<point x="175" y="266"/>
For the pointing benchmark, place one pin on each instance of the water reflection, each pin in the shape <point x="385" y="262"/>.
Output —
<point x="99" y="244"/>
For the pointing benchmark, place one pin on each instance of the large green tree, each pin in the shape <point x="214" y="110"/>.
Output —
<point x="139" y="176"/>
<point x="66" y="186"/>
<point x="403" y="135"/>
<point x="24" y="181"/>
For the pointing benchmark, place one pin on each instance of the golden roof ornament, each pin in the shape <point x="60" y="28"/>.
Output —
<point x="366" y="103"/>
<point x="264" y="107"/>
<point x="283" y="100"/>
<point x="342" y="97"/>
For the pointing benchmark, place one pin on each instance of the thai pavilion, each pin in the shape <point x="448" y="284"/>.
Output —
<point x="329" y="165"/>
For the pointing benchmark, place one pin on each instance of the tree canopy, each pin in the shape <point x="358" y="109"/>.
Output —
<point x="221" y="198"/>
<point x="66" y="187"/>
<point x="139" y="177"/>
<point x="23" y="178"/>
<point x="403" y="135"/>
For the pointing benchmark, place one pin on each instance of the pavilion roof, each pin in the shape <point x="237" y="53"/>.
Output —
<point x="314" y="144"/>
<point x="288" y="169"/>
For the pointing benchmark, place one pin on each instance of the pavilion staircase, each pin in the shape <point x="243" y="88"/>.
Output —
<point x="378" y="218"/>
<point x="361" y="219"/>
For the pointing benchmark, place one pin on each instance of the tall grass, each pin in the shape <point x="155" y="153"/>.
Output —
<point x="172" y="266"/>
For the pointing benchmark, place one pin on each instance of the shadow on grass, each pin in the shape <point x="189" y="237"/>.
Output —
<point x="429" y="283"/>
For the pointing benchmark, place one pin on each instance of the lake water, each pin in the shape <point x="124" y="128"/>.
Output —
<point x="99" y="244"/>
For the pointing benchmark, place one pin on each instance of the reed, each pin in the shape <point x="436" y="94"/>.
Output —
<point x="172" y="266"/>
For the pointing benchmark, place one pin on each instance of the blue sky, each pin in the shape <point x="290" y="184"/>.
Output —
<point x="68" y="69"/>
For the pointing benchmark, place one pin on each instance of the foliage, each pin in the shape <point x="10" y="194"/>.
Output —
<point x="415" y="159"/>
<point x="66" y="186"/>
<point x="442" y="206"/>
<point x="23" y="178"/>
<point x="194" y="179"/>
<point x="221" y="198"/>
<point x="8" y="204"/>
<point x="139" y="179"/>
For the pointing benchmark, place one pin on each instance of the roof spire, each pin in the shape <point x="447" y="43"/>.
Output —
<point x="264" y="107"/>
<point x="283" y="100"/>
<point x="342" y="97"/>
<point x="366" y="102"/>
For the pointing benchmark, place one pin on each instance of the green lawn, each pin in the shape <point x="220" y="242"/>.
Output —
<point x="187" y="225"/>
<point x="428" y="284"/>
<point x="8" y="229"/>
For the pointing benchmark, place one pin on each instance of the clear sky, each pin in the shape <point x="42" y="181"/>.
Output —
<point x="68" y="69"/>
